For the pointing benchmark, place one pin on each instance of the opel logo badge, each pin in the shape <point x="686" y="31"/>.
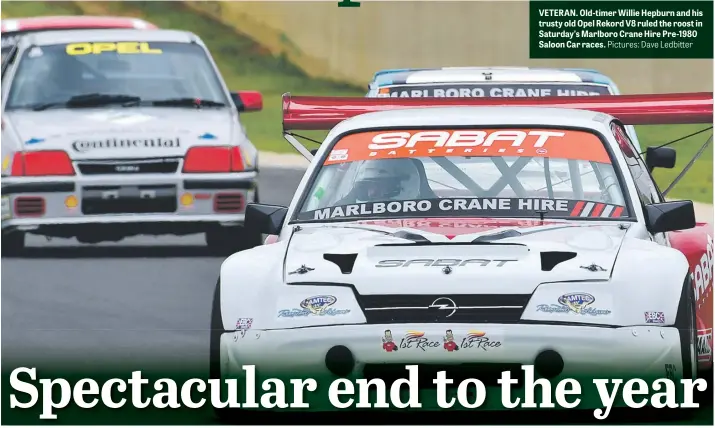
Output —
<point x="444" y="304"/>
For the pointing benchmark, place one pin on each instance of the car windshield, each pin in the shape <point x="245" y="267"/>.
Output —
<point x="493" y="90"/>
<point x="57" y="74"/>
<point x="515" y="173"/>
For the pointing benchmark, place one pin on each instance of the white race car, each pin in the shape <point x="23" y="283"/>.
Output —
<point x="399" y="248"/>
<point x="138" y="134"/>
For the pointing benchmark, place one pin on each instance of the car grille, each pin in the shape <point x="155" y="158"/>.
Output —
<point x="129" y="199"/>
<point x="228" y="202"/>
<point x="129" y="166"/>
<point x="29" y="206"/>
<point x="464" y="308"/>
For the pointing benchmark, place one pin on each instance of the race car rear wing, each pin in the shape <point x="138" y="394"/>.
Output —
<point x="323" y="113"/>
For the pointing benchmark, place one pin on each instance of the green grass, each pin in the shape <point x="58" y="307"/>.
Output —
<point x="698" y="182"/>
<point x="246" y="65"/>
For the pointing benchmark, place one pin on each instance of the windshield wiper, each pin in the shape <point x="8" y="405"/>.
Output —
<point x="91" y="100"/>
<point x="186" y="102"/>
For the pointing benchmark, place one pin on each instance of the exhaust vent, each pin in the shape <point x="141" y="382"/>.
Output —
<point x="549" y="259"/>
<point x="344" y="261"/>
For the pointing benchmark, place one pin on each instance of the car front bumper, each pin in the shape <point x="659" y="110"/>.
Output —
<point x="586" y="353"/>
<point x="138" y="203"/>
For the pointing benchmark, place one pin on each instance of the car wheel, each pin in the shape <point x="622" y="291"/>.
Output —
<point x="13" y="243"/>
<point x="225" y="241"/>
<point x="685" y="322"/>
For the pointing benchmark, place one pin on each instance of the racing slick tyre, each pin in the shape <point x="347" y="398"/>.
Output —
<point x="13" y="243"/>
<point x="225" y="241"/>
<point x="686" y="324"/>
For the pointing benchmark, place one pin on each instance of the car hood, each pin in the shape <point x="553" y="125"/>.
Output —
<point x="424" y="256"/>
<point x="122" y="132"/>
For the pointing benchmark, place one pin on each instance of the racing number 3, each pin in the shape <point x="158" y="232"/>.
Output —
<point x="120" y="48"/>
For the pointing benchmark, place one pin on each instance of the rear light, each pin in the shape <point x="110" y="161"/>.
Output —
<point x="42" y="163"/>
<point x="228" y="202"/>
<point x="214" y="159"/>
<point x="29" y="206"/>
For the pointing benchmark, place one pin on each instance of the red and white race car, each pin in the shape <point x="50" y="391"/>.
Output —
<point x="482" y="232"/>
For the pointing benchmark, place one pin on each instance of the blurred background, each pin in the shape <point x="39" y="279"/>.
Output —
<point x="318" y="48"/>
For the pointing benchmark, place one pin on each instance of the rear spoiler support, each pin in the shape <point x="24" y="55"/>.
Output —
<point x="688" y="166"/>
<point x="298" y="146"/>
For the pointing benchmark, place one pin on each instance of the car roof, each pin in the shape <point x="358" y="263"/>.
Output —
<point x="46" y="38"/>
<point x="39" y="23"/>
<point x="496" y="116"/>
<point x="495" y="74"/>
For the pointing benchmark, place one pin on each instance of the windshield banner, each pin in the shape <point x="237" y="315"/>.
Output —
<point x="476" y="90"/>
<point x="552" y="143"/>
<point x="468" y="207"/>
<point x="119" y="47"/>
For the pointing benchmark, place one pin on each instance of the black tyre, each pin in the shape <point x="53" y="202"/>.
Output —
<point x="216" y="331"/>
<point x="13" y="243"/>
<point x="686" y="324"/>
<point x="225" y="241"/>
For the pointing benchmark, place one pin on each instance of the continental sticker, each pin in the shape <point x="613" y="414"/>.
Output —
<point x="124" y="48"/>
<point x="552" y="143"/>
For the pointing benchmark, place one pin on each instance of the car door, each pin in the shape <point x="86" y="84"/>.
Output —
<point x="647" y="189"/>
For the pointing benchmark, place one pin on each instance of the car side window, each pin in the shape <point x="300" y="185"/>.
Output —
<point x="647" y="193"/>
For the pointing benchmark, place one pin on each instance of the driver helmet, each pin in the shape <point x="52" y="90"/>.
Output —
<point x="387" y="179"/>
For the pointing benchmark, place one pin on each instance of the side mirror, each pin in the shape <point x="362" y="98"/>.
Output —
<point x="659" y="157"/>
<point x="246" y="101"/>
<point x="265" y="218"/>
<point x="670" y="216"/>
<point x="313" y="151"/>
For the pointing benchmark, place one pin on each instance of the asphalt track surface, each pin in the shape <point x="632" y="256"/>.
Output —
<point x="127" y="301"/>
<point x="142" y="299"/>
